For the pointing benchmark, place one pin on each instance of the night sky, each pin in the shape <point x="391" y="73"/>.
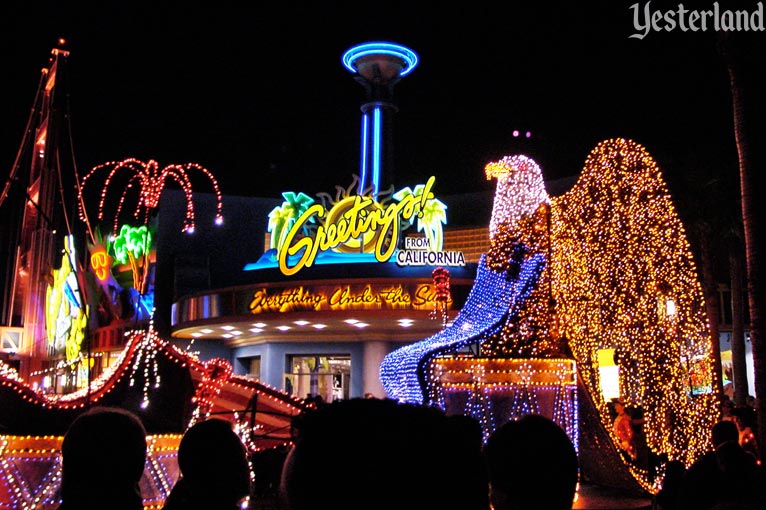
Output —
<point x="255" y="91"/>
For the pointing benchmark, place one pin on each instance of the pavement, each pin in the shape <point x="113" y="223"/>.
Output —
<point x="589" y="497"/>
<point x="592" y="497"/>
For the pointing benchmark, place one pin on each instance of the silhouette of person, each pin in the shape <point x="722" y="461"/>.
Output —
<point x="726" y="478"/>
<point x="744" y="418"/>
<point x="727" y="406"/>
<point x="103" y="459"/>
<point x="667" y="497"/>
<point x="532" y="464"/>
<point x="623" y="429"/>
<point x="214" y="468"/>
<point x="267" y="469"/>
<point x="380" y="454"/>
<point x="466" y="443"/>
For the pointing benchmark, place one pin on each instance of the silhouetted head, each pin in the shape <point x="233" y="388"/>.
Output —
<point x="674" y="473"/>
<point x="744" y="416"/>
<point x="381" y="454"/>
<point x="103" y="458"/>
<point x="532" y="464"/>
<point x="213" y="463"/>
<point x="725" y="431"/>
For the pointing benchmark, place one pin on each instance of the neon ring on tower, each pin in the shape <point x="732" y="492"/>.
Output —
<point x="408" y="57"/>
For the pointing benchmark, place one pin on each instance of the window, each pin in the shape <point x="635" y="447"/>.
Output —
<point x="326" y="376"/>
<point x="255" y="368"/>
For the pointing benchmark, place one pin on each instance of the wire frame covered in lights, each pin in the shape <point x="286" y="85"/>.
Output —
<point x="495" y="390"/>
<point x="148" y="181"/>
<point x="404" y="372"/>
<point x="619" y="256"/>
<point x="609" y="269"/>
<point x="500" y="289"/>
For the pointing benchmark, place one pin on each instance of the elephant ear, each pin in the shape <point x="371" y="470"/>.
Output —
<point x="623" y="276"/>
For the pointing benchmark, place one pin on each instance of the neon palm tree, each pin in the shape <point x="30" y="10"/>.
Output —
<point x="281" y="218"/>
<point x="133" y="246"/>
<point x="434" y="214"/>
<point x="430" y="218"/>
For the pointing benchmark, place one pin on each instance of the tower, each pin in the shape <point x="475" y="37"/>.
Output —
<point x="378" y="66"/>
<point x="33" y="218"/>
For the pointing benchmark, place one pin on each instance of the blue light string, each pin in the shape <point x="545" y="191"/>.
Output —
<point x="363" y="169"/>
<point x="492" y="298"/>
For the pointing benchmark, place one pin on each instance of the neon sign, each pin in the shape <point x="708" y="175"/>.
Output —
<point x="359" y="223"/>
<point x="343" y="297"/>
<point x="66" y="314"/>
<point x="101" y="263"/>
<point x="133" y="246"/>
<point x="417" y="252"/>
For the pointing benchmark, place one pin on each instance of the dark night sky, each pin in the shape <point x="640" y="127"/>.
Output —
<point x="255" y="91"/>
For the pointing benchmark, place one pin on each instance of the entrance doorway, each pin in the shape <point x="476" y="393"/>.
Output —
<point x="325" y="376"/>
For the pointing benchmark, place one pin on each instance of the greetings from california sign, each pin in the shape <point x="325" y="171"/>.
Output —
<point x="303" y="228"/>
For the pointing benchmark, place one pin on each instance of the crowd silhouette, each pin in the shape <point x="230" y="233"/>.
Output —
<point x="726" y="478"/>
<point x="532" y="464"/>
<point x="103" y="458"/>
<point x="379" y="454"/>
<point x="668" y="496"/>
<point x="215" y="473"/>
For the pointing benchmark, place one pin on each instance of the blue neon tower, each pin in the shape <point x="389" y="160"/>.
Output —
<point x="378" y="66"/>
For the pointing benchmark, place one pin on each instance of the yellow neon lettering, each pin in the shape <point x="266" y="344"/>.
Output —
<point x="306" y="243"/>
<point x="345" y="224"/>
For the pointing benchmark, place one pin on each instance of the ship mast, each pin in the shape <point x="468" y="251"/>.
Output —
<point x="32" y="240"/>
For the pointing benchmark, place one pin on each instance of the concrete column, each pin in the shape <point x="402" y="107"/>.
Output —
<point x="374" y="352"/>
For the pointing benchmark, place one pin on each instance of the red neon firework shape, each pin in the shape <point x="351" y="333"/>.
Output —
<point x="151" y="181"/>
